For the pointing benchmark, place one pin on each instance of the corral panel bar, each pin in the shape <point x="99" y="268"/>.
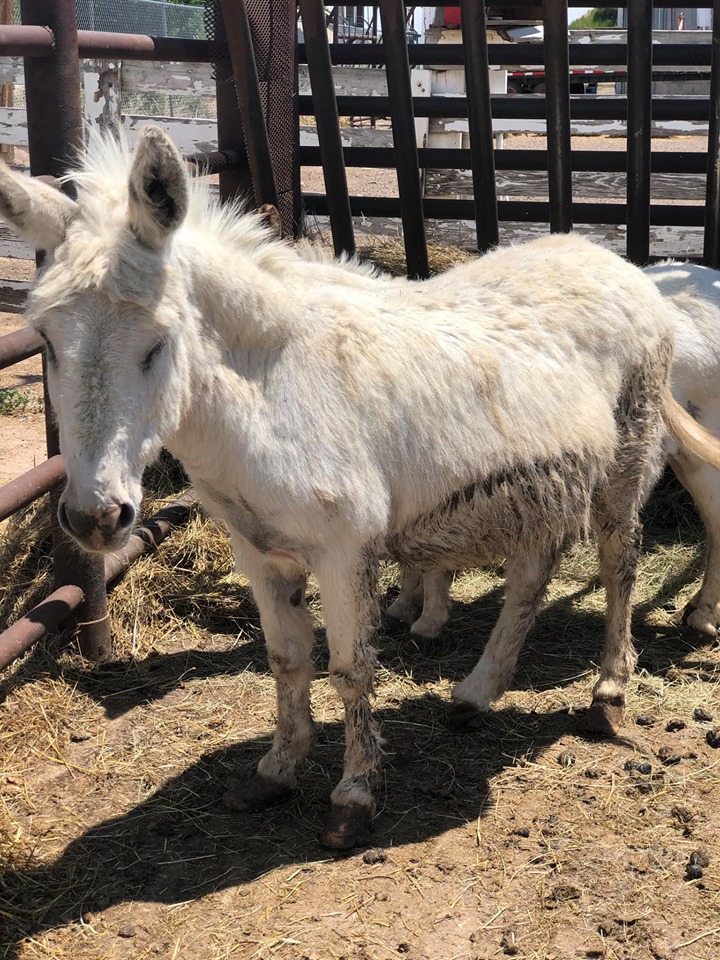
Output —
<point x="26" y="488"/>
<point x="477" y="85"/>
<point x="17" y="346"/>
<point x="247" y="88"/>
<point x="524" y="211"/>
<point x="557" y="103"/>
<point x="522" y="107"/>
<point x="639" y="114"/>
<point x="397" y="68"/>
<point x="328" y="125"/>
<point x="52" y="90"/>
<point x="509" y="54"/>
<point x="711" y="247"/>
<point x="37" y="622"/>
<point x="450" y="158"/>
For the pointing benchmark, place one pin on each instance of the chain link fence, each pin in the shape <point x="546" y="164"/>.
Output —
<point x="142" y="16"/>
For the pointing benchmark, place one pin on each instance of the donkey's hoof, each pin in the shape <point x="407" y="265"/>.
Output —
<point x="347" y="826"/>
<point x="702" y="620"/>
<point x="402" y="611"/>
<point x="465" y="716"/>
<point x="256" y="794"/>
<point x="603" y="718"/>
<point x="427" y="629"/>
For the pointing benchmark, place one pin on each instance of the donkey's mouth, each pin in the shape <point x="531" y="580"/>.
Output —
<point x="103" y="531"/>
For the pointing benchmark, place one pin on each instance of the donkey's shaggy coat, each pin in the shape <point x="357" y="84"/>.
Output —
<point x="331" y="416"/>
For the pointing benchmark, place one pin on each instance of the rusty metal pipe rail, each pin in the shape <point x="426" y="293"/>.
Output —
<point x="56" y="608"/>
<point x="26" y="488"/>
<point x="38" y="41"/>
<point x="37" y="622"/>
<point x="18" y="346"/>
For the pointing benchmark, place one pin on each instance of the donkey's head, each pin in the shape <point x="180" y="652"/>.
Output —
<point x="109" y="304"/>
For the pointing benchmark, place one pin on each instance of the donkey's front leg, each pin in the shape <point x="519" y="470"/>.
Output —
<point x="348" y="594"/>
<point x="288" y="629"/>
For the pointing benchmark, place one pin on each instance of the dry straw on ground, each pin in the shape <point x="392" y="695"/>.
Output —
<point x="518" y="839"/>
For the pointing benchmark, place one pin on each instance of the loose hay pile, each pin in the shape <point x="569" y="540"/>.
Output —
<point x="520" y="839"/>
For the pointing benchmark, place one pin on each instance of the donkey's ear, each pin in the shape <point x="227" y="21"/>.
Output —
<point x="158" y="188"/>
<point x="38" y="212"/>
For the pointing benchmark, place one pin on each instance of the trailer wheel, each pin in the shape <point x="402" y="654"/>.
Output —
<point x="514" y="87"/>
<point x="538" y="87"/>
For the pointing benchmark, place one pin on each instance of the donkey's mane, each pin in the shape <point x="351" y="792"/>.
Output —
<point x="101" y="178"/>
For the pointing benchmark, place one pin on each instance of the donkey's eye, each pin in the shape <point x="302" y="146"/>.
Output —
<point x="48" y="349"/>
<point x="150" y="358"/>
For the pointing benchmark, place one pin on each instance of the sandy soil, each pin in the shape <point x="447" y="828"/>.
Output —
<point x="22" y="432"/>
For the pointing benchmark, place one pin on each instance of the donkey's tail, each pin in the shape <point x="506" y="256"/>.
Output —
<point x="688" y="432"/>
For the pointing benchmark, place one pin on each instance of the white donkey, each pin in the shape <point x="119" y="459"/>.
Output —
<point x="330" y="418"/>
<point x="424" y="598"/>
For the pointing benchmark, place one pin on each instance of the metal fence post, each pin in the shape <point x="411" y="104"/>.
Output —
<point x="54" y="114"/>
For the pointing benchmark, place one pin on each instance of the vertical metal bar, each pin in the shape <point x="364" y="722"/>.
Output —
<point x="711" y="249"/>
<point x="328" y="124"/>
<point x="639" y="127"/>
<point x="52" y="90"/>
<point x="477" y="86"/>
<point x="234" y="183"/>
<point x="557" y="107"/>
<point x="397" y="66"/>
<point x="247" y="87"/>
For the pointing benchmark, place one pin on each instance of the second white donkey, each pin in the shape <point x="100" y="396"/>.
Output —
<point x="424" y="599"/>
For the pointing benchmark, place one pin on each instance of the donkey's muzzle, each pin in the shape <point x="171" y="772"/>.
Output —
<point x="101" y="529"/>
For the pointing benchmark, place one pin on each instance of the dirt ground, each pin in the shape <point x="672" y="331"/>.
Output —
<point x="519" y="838"/>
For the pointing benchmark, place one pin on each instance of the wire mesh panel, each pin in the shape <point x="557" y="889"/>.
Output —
<point x="142" y="16"/>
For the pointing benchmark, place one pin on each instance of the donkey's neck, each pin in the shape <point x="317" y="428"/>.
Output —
<point x="239" y="302"/>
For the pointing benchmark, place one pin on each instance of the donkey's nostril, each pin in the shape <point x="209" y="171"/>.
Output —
<point x="127" y="515"/>
<point x="74" y="522"/>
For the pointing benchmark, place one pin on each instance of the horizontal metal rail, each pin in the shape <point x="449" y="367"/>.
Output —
<point x="17" y="346"/>
<point x="56" y="608"/>
<point x="531" y="211"/>
<point x="520" y="108"/>
<point x="35" y="41"/>
<point x="26" y="488"/>
<point x="451" y="158"/>
<point x="37" y="622"/>
<point x="511" y="4"/>
<point x="509" y="54"/>
<point x="26" y="41"/>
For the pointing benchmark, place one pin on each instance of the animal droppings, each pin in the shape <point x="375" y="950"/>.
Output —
<point x="693" y="872"/>
<point x="522" y="831"/>
<point x="672" y="726"/>
<point x="566" y="759"/>
<point x="698" y="858"/>
<point x="127" y="932"/>
<point x="645" y="720"/>
<point x="668" y="756"/>
<point x="376" y="855"/>
<point x="713" y="738"/>
<point x="702" y="715"/>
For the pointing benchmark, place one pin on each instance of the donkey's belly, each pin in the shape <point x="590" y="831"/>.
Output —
<point x="516" y="510"/>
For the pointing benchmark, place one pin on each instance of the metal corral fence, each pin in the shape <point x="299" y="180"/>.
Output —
<point x="251" y="44"/>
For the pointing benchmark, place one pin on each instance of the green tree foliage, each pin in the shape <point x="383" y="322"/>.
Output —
<point x="599" y="18"/>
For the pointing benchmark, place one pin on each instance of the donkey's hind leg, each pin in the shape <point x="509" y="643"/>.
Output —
<point x="618" y="533"/>
<point x="436" y="604"/>
<point x="288" y="628"/>
<point x="527" y="579"/>
<point x="408" y="603"/>
<point x="703" y="482"/>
